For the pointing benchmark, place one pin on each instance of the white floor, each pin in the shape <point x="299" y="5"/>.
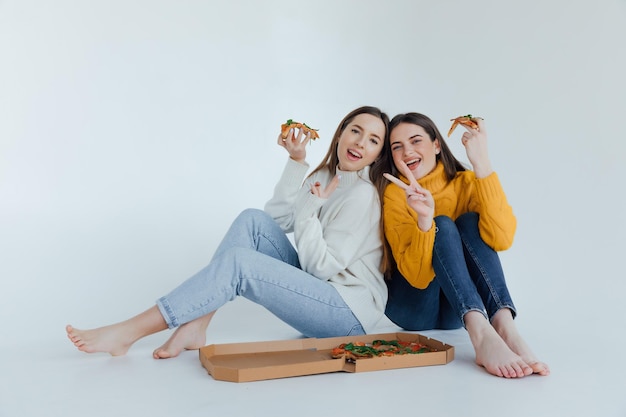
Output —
<point x="54" y="379"/>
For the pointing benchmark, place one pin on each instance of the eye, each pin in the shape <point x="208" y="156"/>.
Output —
<point x="354" y="130"/>
<point x="396" y="147"/>
<point x="374" y="141"/>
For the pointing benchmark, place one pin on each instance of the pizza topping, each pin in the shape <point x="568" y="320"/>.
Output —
<point x="358" y="350"/>
<point x="291" y="124"/>
<point x="462" y="120"/>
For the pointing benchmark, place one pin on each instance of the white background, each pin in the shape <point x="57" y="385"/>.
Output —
<point x="133" y="132"/>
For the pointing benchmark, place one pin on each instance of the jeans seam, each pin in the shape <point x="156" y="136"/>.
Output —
<point x="464" y="307"/>
<point x="278" y="284"/>
<point x="483" y="273"/>
<point x="170" y="319"/>
<point x="277" y="247"/>
<point x="334" y="307"/>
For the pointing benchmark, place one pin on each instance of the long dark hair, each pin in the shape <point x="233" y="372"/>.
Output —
<point x="451" y="165"/>
<point x="381" y="165"/>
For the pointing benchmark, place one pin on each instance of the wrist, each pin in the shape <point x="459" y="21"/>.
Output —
<point x="425" y="225"/>
<point x="298" y="160"/>
<point x="482" y="171"/>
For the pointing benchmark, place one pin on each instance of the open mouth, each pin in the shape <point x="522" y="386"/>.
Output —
<point x="413" y="163"/>
<point x="353" y="155"/>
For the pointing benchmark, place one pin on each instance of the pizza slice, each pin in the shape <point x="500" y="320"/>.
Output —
<point x="291" y="124"/>
<point x="462" y="120"/>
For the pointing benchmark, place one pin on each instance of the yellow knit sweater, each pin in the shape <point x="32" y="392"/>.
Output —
<point x="412" y="249"/>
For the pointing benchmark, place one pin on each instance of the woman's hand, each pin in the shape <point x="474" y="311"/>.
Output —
<point x="475" y="142"/>
<point x="328" y="190"/>
<point x="295" y="145"/>
<point x="418" y="198"/>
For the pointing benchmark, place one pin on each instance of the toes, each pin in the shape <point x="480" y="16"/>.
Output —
<point x="527" y="370"/>
<point x="70" y="331"/>
<point x="522" y="369"/>
<point x="161" y="354"/>
<point x="513" y="370"/>
<point x="72" y="335"/>
<point x="539" y="368"/>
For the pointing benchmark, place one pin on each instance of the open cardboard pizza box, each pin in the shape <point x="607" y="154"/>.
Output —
<point x="255" y="361"/>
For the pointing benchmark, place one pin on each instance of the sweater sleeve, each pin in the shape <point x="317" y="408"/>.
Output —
<point x="282" y="204"/>
<point x="412" y="249"/>
<point x="497" y="223"/>
<point x="325" y="251"/>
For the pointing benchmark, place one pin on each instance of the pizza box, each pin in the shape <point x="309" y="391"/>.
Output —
<point x="255" y="361"/>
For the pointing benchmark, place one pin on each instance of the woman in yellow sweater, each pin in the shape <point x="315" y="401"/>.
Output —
<point x="444" y="225"/>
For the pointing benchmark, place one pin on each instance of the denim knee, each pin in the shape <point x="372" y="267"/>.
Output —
<point x="445" y="226"/>
<point x="251" y="214"/>
<point x="466" y="220"/>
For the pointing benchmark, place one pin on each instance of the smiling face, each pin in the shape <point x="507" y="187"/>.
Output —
<point x="411" y="144"/>
<point x="361" y="142"/>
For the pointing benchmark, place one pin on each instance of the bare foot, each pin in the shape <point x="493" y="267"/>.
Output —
<point x="492" y="352"/>
<point x="189" y="336"/>
<point x="114" y="339"/>
<point x="117" y="338"/>
<point x="517" y="344"/>
<point x="505" y="326"/>
<point x="498" y="359"/>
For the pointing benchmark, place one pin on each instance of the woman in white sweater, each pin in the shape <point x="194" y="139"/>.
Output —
<point x="331" y="284"/>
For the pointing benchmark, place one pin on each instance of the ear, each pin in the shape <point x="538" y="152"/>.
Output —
<point x="437" y="146"/>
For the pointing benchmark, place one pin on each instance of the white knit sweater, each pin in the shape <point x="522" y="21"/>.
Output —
<point x="338" y="238"/>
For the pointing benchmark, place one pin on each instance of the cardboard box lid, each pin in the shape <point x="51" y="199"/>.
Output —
<point x="255" y="361"/>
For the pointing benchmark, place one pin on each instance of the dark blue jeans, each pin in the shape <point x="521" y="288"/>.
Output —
<point x="468" y="277"/>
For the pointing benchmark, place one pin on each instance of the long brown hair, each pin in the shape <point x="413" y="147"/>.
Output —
<point x="381" y="165"/>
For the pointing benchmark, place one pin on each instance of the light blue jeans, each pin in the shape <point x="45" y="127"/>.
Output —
<point x="256" y="260"/>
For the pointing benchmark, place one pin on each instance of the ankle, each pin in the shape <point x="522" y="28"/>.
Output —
<point x="478" y="327"/>
<point x="502" y="321"/>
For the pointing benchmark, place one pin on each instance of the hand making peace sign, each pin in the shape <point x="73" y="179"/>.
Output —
<point x="418" y="198"/>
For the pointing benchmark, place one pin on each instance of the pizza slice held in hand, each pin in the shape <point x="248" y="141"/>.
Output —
<point x="291" y="124"/>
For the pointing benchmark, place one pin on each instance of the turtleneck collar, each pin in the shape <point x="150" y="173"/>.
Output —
<point x="350" y="177"/>
<point x="434" y="180"/>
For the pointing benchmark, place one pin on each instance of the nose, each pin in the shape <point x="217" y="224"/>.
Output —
<point x="359" y="141"/>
